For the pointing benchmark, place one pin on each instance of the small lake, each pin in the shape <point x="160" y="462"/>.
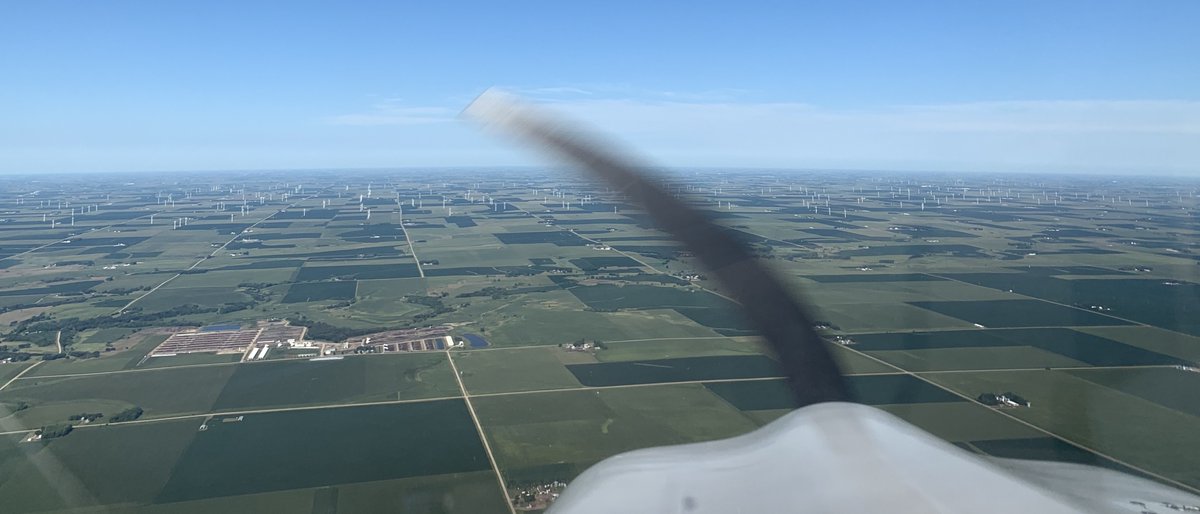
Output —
<point x="477" y="341"/>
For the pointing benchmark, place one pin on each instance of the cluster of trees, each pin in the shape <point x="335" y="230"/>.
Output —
<point x="226" y="308"/>
<point x="494" y="292"/>
<point x="15" y="356"/>
<point x="17" y="406"/>
<point x="328" y="332"/>
<point x="73" y="353"/>
<point x="131" y="318"/>
<point x="432" y="302"/>
<point x="258" y="290"/>
<point x="86" y="416"/>
<point x="48" y="303"/>
<point x="129" y="414"/>
<point x="52" y="431"/>
<point x="126" y="290"/>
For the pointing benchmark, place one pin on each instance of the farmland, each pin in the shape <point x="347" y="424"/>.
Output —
<point x="593" y="333"/>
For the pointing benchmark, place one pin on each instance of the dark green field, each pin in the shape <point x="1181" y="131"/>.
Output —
<point x="1083" y="347"/>
<point x="1019" y="313"/>
<point x="867" y="389"/>
<point x="318" y="291"/>
<point x="357" y="271"/>
<point x="268" y="452"/>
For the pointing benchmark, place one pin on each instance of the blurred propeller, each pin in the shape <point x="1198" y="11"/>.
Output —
<point x="806" y="360"/>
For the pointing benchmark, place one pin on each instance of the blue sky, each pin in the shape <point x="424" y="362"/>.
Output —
<point x="1094" y="86"/>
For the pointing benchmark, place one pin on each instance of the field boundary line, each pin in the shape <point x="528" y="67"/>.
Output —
<point x="466" y="396"/>
<point x="18" y="375"/>
<point x="1032" y="425"/>
<point x="252" y="411"/>
<point x="411" y="250"/>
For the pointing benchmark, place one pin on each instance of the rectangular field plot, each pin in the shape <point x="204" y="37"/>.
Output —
<point x="568" y="322"/>
<point x="866" y="389"/>
<point x="358" y="271"/>
<point x="702" y="307"/>
<point x="525" y="369"/>
<point x="599" y="263"/>
<point x="321" y="291"/>
<point x="159" y="392"/>
<point x="1110" y="421"/>
<point x="1155" y="339"/>
<point x="1018" y="313"/>
<point x="362" y="378"/>
<point x="993" y="357"/>
<point x="1169" y="304"/>
<point x="91" y="467"/>
<point x="1024" y="347"/>
<point x="169" y="298"/>
<point x="558" y="237"/>
<point x="1170" y="387"/>
<point x="1046" y="448"/>
<point x="616" y="351"/>
<point x="873" y="277"/>
<point x="311" y="448"/>
<point x="556" y="435"/>
<point x="683" y="369"/>
<point x="861" y="316"/>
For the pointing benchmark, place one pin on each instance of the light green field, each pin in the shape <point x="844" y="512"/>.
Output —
<point x="94" y="465"/>
<point x="678" y="347"/>
<point x="228" y="279"/>
<point x="544" y="326"/>
<point x="530" y="432"/>
<point x="12" y="369"/>
<point x="159" y="392"/>
<point x="961" y="421"/>
<point x="504" y="370"/>
<point x="392" y="289"/>
<point x="190" y="359"/>
<point x="881" y="317"/>
<point x="165" y="298"/>
<point x="1152" y="338"/>
<point x="1108" y="421"/>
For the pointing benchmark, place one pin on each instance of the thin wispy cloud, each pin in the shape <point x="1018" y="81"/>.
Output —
<point x="396" y="112"/>
<point x="696" y="129"/>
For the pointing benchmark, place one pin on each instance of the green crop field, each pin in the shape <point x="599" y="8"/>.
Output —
<point x="1019" y="313"/>
<point x="1100" y="418"/>
<point x="320" y="291"/>
<point x="275" y="451"/>
<point x="160" y="392"/>
<point x="675" y="370"/>
<point x="555" y="435"/>
<point x="349" y="380"/>
<point x="505" y="370"/>
<point x="1085" y="307"/>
